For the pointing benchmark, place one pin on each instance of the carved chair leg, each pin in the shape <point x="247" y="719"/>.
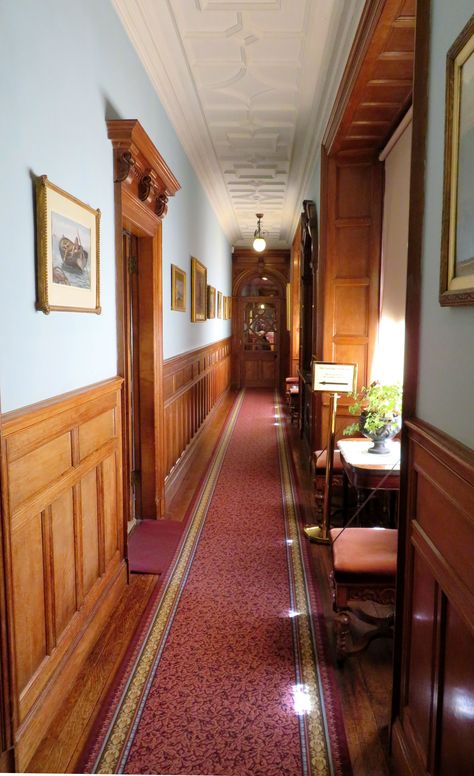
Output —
<point x="343" y="636"/>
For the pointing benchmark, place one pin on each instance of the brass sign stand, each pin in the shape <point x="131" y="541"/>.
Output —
<point x="343" y="378"/>
<point x="320" y="533"/>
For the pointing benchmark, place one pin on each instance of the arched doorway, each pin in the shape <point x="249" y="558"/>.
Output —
<point x="260" y="325"/>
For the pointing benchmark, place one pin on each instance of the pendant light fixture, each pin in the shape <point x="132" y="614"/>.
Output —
<point x="259" y="243"/>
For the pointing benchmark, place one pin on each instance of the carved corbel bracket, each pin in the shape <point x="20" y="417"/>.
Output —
<point x="140" y="168"/>
<point x="124" y="166"/>
<point x="161" y="205"/>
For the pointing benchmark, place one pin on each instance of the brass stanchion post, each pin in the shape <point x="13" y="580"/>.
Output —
<point x="320" y="533"/>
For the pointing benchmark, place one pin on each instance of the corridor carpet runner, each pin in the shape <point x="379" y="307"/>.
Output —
<point x="223" y="677"/>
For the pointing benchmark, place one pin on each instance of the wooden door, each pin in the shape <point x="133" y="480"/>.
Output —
<point x="132" y="384"/>
<point x="260" y="327"/>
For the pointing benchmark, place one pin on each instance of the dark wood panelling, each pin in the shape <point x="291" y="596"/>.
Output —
<point x="351" y="222"/>
<point x="62" y="524"/>
<point x="295" y="324"/>
<point x="193" y="383"/>
<point x="433" y="726"/>
<point x="376" y="86"/>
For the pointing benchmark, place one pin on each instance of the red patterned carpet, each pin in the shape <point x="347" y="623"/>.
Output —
<point x="222" y="678"/>
<point x="152" y="545"/>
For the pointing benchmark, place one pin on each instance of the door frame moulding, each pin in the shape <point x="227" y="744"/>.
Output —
<point x="143" y="184"/>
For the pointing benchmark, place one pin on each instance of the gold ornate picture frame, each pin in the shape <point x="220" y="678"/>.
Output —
<point x="68" y="244"/>
<point x="178" y="289"/>
<point x="211" y="302"/>
<point x="198" y="291"/>
<point x="227" y="307"/>
<point x="219" y="304"/>
<point x="457" y="241"/>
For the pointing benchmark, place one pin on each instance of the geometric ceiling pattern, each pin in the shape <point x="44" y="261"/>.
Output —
<point x="248" y="85"/>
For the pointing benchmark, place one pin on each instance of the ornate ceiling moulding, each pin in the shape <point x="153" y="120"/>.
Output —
<point x="140" y="168"/>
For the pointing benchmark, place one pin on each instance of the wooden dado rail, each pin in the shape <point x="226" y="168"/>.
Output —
<point x="63" y="536"/>
<point x="193" y="383"/>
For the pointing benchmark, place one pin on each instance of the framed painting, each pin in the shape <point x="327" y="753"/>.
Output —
<point x="68" y="244"/>
<point x="198" y="291"/>
<point x="178" y="289"/>
<point x="457" y="241"/>
<point x="227" y="307"/>
<point x="219" y="304"/>
<point x="211" y="302"/>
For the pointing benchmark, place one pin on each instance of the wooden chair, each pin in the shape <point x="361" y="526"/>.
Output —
<point x="292" y="392"/>
<point x="364" y="562"/>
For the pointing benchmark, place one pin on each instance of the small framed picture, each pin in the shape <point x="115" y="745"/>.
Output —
<point x="178" y="289"/>
<point x="219" y="304"/>
<point x="227" y="307"/>
<point x="68" y="240"/>
<point x="211" y="302"/>
<point x="198" y="291"/>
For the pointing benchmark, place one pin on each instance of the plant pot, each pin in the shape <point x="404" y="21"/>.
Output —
<point x="382" y="435"/>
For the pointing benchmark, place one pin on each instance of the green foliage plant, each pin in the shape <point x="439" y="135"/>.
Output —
<point x="379" y="406"/>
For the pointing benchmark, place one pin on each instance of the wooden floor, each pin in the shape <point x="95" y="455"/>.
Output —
<point x="364" y="680"/>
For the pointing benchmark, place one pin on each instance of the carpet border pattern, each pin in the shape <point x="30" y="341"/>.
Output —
<point x="119" y="737"/>
<point x="320" y="756"/>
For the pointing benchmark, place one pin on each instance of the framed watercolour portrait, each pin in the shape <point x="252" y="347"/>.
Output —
<point x="198" y="291"/>
<point x="178" y="289"/>
<point x="211" y="302"/>
<point x="219" y="304"/>
<point x="68" y="241"/>
<point x="457" y="242"/>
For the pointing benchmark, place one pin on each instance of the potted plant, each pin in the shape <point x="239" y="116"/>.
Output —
<point x="380" y="414"/>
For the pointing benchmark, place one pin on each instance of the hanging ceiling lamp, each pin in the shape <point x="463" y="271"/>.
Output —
<point x="259" y="243"/>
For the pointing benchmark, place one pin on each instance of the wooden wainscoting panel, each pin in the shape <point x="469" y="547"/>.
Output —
<point x="32" y="472"/>
<point x="90" y="529"/>
<point x="63" y="527"/>
<point x="28" y="599"/>
<point x="194" y="383"/>
<point x="96" y="432"/>
<point x="63" y="571"/>
<point x="434" y="715"/>
<point x="112" y="534"/>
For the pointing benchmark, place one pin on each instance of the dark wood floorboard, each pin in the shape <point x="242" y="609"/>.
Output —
<point x="365" y="680"/>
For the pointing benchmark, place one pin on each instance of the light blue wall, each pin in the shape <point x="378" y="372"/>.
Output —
<point x="66" y="66"/>
<point x="446" y="372"/>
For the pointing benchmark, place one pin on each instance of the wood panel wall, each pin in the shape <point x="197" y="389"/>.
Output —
<point x="434" y="724"/>
<point x="295" y="281"/>
<point x="63" y="542"/>
<point x="351" y="232"/>
<point x="193" y="384"/>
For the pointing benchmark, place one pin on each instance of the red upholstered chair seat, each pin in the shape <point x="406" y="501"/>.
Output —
<point x="320" y="458"/>
<point x="368" y="553"/>
<point x="364" y="562"/>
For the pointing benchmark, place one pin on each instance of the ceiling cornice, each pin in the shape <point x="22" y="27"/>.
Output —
<point x="154" y="54"/>
<point x="153" y="30"/>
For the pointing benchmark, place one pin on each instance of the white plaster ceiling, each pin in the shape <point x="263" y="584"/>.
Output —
<point x="248" y="86"/>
